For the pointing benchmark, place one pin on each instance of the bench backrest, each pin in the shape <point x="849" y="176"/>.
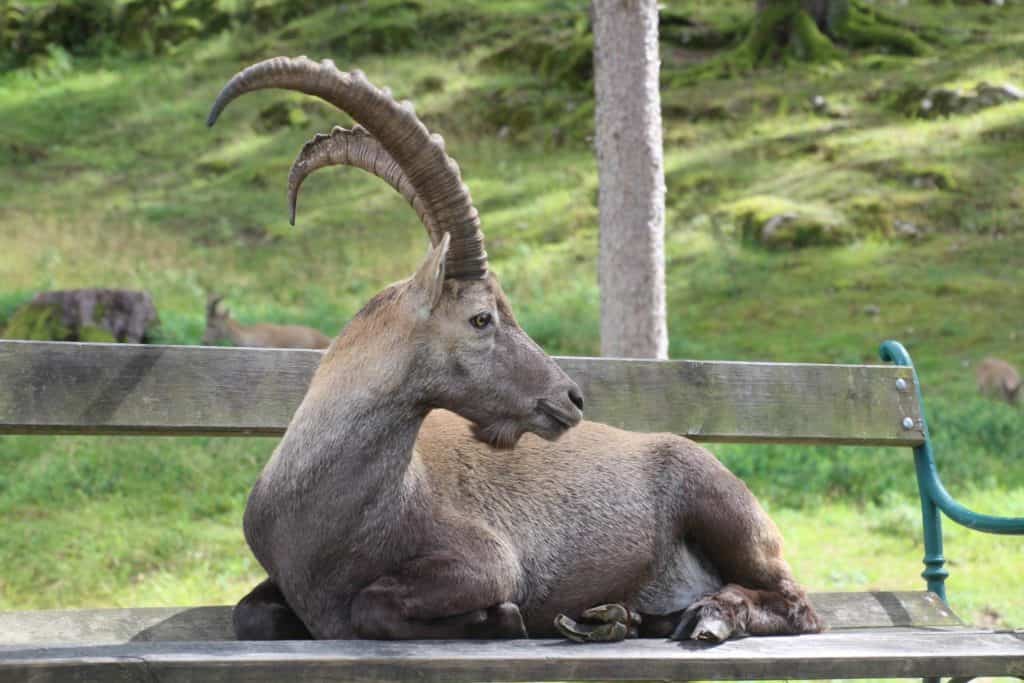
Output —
<point x="74" y="388"/>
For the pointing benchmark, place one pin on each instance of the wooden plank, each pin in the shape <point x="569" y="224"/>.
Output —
<point x="884" y="609"/>
<point x="861" y="654"/>
<point x="73" y="388"/>
<point x="107" y="626"/>
<point x="751" y="402"/>
<point x="118" y="625"/>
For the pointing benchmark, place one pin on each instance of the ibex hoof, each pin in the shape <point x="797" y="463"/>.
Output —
<point x="703" y="621"/>
<point x="711" y="630"/>
<point x="602" y="624"/>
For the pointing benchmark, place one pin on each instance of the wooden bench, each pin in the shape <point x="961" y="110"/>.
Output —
<point x="66" y="388"/>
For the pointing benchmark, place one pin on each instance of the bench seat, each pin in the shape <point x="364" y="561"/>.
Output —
<point x="890" y="634"/>
<point x="895" y="652"/>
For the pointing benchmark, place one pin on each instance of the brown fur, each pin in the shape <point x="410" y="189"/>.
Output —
<point x="221" y="326"/>
<point x="384" y="515"/>
<point x="998" y="379"/>
<point x="420" y="492"/>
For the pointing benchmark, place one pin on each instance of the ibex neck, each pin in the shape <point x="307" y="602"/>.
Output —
<point x="347" y="452"/>
<point x="344" y="478"/>
<point x="354" y="443"/>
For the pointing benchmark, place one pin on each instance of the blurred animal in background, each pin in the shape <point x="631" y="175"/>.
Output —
<point x="999" y="380"/>
<point x="220" y="326"/>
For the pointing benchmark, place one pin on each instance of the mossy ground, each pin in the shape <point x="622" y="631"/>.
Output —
<point x="41" y="322"/>
<point x="109" y="178"/>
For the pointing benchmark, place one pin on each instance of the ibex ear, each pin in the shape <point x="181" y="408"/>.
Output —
<point x="429" y="279"/>
<point x="211" y="304"/>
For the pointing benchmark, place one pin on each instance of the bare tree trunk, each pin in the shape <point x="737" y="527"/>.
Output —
<point x="631" y="198"/>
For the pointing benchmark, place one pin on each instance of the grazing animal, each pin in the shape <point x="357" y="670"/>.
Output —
<point x="437" y="481"/>
<point x="998" y="379"/>
<point x="220" y="325"/>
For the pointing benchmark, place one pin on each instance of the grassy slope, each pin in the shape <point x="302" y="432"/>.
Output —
<point x="108" y="178"/>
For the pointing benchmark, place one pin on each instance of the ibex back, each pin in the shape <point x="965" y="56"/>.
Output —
<point x="420" y="492"/>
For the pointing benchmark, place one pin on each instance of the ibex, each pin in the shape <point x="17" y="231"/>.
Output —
<point x="220" y="325"/>
<point x="419" y="490"/>
<point x="998" y="379"/>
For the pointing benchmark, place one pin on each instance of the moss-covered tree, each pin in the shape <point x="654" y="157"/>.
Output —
<point x="809" y="30"/>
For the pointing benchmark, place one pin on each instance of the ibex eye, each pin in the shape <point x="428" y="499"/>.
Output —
<point x="480" y="320"/>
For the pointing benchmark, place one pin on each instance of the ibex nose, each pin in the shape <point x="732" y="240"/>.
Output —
<point x="576" y="397"/>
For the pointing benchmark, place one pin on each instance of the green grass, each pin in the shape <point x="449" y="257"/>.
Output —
<point x="846" y="547"/>
<point x="108" y="177"/>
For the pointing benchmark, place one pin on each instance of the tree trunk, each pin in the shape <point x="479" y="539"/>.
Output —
<point x="805" y="29"/>
<point x="823" y="12"/>
<point x="631" y="196"/>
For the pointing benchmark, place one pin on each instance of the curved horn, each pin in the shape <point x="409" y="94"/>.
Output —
<point x="357" y="148"/>
<point x="420" y="155"/>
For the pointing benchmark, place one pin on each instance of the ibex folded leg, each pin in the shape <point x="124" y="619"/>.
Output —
<point x="738" y="611"/>
<point x="418" y="601"/>
<point x="377" y="614"/>
<point x="264" y="614"/>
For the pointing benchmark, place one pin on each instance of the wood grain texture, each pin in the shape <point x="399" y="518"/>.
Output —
<point x="883" y="609"/>
<point x="867" y="654"/>
<point x="72" y="388"/>
<point x="840" y="611"/>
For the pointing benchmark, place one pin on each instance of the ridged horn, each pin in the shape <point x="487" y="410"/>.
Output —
<point x="355" y="147"/>
<point x="434" y="176"/>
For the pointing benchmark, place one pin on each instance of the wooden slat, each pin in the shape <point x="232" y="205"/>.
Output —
<point x="861" y="654"/>
<point x="883" y="609"/>
<point x="117" y="625"/>
<point x="72" y="388"/>
<point x="840" y="611"/>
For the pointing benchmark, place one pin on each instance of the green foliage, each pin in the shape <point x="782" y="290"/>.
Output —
<point x="42" y="322"/>
<point x="863" y="26"/>
<point x="115" y="513"/>
<point x="10" y="302"/>
<point x="91" y="333"/>
<point x="559" y="51"/>
<point x="527" y="110"/>
<point x="777" y="223"/>
<point x="29" y="32"/>
<point x="803" y="41"/>
<point x="977" y="446"/>
<point x="785" y="32"/>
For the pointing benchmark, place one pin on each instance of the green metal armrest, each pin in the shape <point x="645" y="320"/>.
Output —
<point x="934" y="496"/>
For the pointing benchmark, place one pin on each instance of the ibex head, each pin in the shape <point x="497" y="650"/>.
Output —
<point x="216" y="321"/>
<point x="446" y="337"/>
<point x="1012" y="388"/>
